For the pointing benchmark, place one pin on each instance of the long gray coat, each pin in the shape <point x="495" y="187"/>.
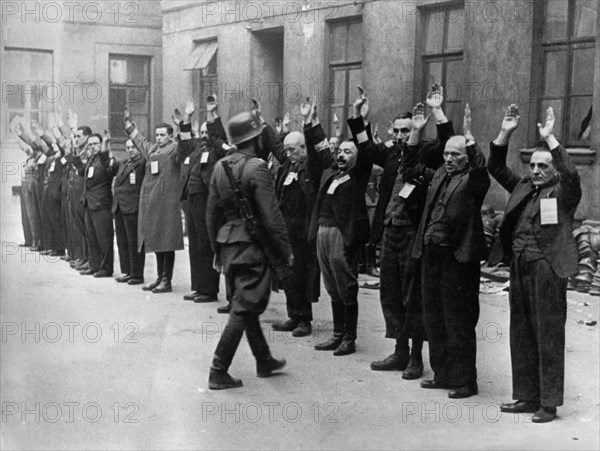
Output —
<point x="159" y="221"/>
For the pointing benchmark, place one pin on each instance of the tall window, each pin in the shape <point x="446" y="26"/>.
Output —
<point x="345" y="66"/>
<point x="28" y="77"/>
<point x="203" y="64"/>
<point x="442" y="57"/>
<point x="568" y="64"/>
<point x="129" y="85"/>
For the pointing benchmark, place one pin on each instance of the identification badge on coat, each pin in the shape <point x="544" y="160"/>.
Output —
<point x="42" y="159"/>
<point x="63" y="161"/>
<point x="90" y="172"/>
<point x="548" y="211"/>
<point x="132" y="178"/>
<point x="187" y="161"/>
<point x="154" y="167"/>
<point x="406" y="190"/>
<point x="52" y="167"/>
<point x="204" y="158"/>
<point x="290" y="178"/>
<point x="337" y="182"/>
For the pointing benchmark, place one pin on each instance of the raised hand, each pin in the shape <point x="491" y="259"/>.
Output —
<point x="126" y="115"/>
<point x="72" y="119"/>
<point x="106" y="141"/>
<point x="196" y="129"/>
<point x="176" y="117"/>
<point x="359" y="105"/>
<point x="435" y="96"/>
<point x="15" y="125"/>
<point x="35" y="128"/>
<point x="419" y="121"/>
<point x="547" y="129"/>
<point x="189" y="108"/>
<point x="286" y="120"/>
<point x="306" y="110"/>
<point x="467" y="126"/>
<point x="211" y="104"/>
<point x="511" y="119"/>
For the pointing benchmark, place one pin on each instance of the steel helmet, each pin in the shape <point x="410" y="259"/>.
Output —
<point x="243" y="127"/>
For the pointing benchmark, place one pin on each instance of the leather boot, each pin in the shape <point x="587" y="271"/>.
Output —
<point x="265" y="368"/>
<point x="339" y="313"/>
<point x="221" y="380"/>
<point x="151" y="286"/>
<point x="348" y="344"/>
<point x="164" y="286"/>
<point x="414" y="370"/>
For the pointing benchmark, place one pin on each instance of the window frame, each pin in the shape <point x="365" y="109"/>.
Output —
<point x="120" y="137"/>
<point x="423" y="59"/>
<point x="569" y="44"/>
<point x="345" y="65"/>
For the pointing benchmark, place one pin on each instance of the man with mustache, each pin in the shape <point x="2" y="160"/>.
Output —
<point x="536" y="240"/>
<point x="340" y="223"/>
<point x="451" y="243"/>
<point x="199" y="156"/>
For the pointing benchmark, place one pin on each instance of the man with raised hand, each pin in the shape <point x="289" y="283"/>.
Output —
<point x="199" y="158"/>
<point x="97" y="202"/>
<point x="340" y="223"/>
<point x="451" y="243"/>
<point x="125" y="209"/>
<point x="296" y="193"/>
<point x="241" y="201"/>
<point x="401" y="203"/>
<point x="536" y="240"/>
<point x="159" y="223"/>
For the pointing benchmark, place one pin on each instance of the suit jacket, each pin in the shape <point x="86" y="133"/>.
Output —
<point x="97" y="192"/>
<point x="389" y="156"/>
<point x="348" y="200"/>
<point x="196" y="174"/>
<point x="555" y="241"/>
<point x="298" y="222"/>
<point x="127" y="195"/>
<point x="223" y="220"/>
<point x="466" y="193"/>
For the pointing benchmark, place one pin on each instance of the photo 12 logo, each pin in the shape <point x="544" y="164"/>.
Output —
<point x="53" y="332"/>
<point x="69" y="412"/>
<point x="87" y="12"/>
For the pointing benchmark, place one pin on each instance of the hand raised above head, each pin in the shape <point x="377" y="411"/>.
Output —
<point x="126" y="115"/>
<point x="467" y="126"/>
<point x="547" y="129"/>
<point x="419" y="121"/>
<point x="176" y="117"/>
<point x="435" y="96"/>
<point x="511" y="119"/>
<point x="190" y="108"/>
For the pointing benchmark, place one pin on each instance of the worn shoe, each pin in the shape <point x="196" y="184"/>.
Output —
<point x="414" y="370"/>
<point x="87" y="272"/>
<point x="331" y="344"/>
<point x="135" y="281"/>
<point x="102" y="274"/>
<point x="466" y="391"/>
<point x="190" y="296"/>
<point x="544" y="415"/>
<point x="433" y="384"/>
<point x="347" y="346"/>
<point x="151" y="286"/>
<point x="303" y="329"/>
<point x="520" y="407"/>
<point x="205" y="298"/>
<point x="82" y="267"/>
<point x="218" y="380"/>
<point x="285" y="326"/>
<point x="163" y="287"/>
<point x="224" y="309"/>
<point x="265" y="368"/>
<point x="123" y="279"/>
<point x="393" y="362"/>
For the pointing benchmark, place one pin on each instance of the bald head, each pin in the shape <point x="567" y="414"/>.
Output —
<point x="295" y="147"/>
<point x="455" y="154"/>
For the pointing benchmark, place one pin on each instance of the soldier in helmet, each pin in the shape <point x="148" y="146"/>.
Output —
<point x="238" y="252"/>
